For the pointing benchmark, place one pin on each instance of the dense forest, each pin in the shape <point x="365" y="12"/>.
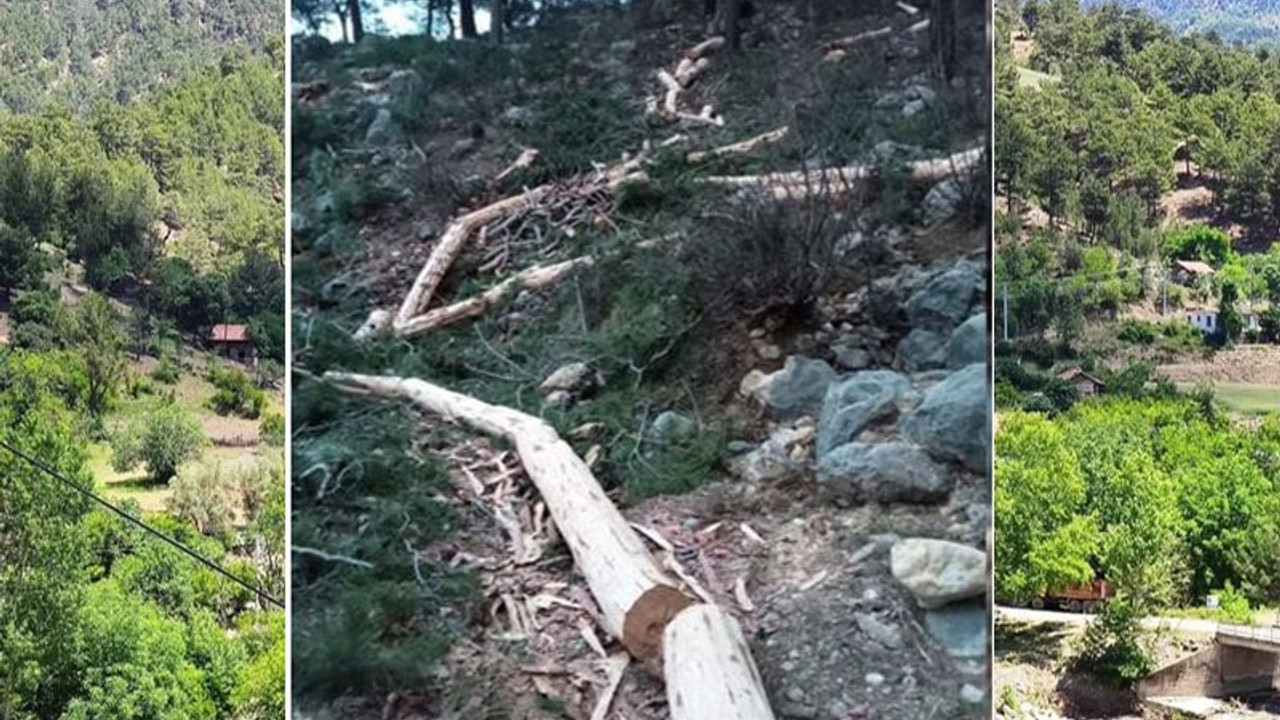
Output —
<point x="141" y="161"/>
<point x="1231" y="20"/>
<point x="103" y="621"/>
<point x="76" y="52"/>
<point x="1111" y="121"/>
<point x="171" y="204"/>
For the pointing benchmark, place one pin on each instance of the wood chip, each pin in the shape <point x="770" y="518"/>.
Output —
<point x="588" y="634"/>
<point x="670" y="563"/>
<point x="653" y="536"/>
<point x="740" y="594"/>
<point x="710" y="529"/>
<point x="751" y="533"/>
<point x="813" y="582"/>
<point x="615" y="667"/>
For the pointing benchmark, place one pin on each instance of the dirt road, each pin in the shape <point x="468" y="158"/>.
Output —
<point x="1193" y="626"/>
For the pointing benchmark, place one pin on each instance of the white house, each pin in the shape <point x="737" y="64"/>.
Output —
<point x="1207" y="320"/>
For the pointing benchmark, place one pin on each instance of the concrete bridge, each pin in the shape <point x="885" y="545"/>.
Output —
<point x="1242" y="660"/>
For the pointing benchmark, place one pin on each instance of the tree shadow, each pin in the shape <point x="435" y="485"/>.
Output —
<point x="1036" y="644"/>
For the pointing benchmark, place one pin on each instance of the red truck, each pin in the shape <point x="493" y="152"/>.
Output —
<point x="1076" y="598"/>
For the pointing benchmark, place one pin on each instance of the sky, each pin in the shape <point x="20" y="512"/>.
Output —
<point x="400" y="18"/>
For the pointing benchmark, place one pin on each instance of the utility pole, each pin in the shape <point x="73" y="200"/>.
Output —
<point x="1164" y="292"/>
<point x="1004" y="316"/>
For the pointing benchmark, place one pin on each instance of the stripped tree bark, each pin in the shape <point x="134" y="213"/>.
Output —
<point x="640" y="605"/>
<point x="534" y="278"/>
<point x="460" y="230"/>
<point x="833" y="181"/>
<point x="745" y="147"/>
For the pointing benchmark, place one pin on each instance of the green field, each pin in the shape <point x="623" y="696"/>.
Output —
<point x="1034" y="78"/>
<point x="1245" y="398"/>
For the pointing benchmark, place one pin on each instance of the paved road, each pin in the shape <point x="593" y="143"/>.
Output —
<point x="1186" y="625"/>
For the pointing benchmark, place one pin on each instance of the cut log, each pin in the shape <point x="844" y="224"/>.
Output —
<point x="689" y="70"/>
<point x="833" y="181"/>
<point x="451" y="244"/>
<point x="704" y="48"/>
<point x="534" y="278"/>
<point x="636" y="598"/>
<point x="745" y="147"/>
<point x="853" y="40"/>
<point x="708" y="668"/>
<point x="525" y="160"/>
<point x="671" y="103"/>
<point x="461" y="229"/>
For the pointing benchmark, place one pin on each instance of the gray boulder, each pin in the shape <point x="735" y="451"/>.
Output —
<point x="884" y="473"/>
<point x="672" y="427"/>
<point x="854" y="403"/>
<point x="938" y="572"/>
<point x="968" y="343"/>
<point x="953" y="420"/>
<point x="943" y="201"/>
<point x="923" y="350"/>
<point x="943" y="301"/>
<point x="797" y="389"/>
<point x="383" y="130"/>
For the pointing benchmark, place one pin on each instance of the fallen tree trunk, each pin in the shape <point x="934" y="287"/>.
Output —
<point x="461" y="229"/>
<point x="640" y="605"/>
<point x="709" y="670"/>
<point x="745" y="147"/>
<point x="833" y="181"/>
<point x="534" y="278"/>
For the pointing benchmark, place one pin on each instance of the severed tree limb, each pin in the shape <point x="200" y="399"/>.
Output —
<point x="708" y="668"/>
<point x="671" y="103"/>
<point x="744" y="147"/>
<point x="706" y="47"/>
<point x="461" y="229"/>
<point x="837" y="180"/>
<point x="845" y="43"/>
<point x="525" y="160"/>
<point x="534" y="278"/>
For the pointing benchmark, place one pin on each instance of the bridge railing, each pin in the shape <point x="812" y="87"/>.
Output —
<point x="1255" y="633"/>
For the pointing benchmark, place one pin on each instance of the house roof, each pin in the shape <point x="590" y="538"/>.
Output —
<point x="1194" y="267"/>
<point x="230" y="333"/>
<point x="1074" y="373"/>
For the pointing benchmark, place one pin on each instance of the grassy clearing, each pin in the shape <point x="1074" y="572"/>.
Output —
<point x="234" y="441"/>
<point x="1248" y="399"/>
<point x="1034" y="78"/>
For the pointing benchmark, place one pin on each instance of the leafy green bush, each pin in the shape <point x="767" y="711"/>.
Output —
<point x="167" y="371"/>
<point x="236" y="392"/>
<point x="1138" y="332"/>
<point x="161" y="441"/>
<point x="1199" y="242"/>
<point x="1115" y="647"/>
<point x="272" y="429"/>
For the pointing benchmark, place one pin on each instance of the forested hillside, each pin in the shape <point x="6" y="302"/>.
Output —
<point x="141" y="167"/>
<point x="171" y="205"/>
<point x="1137" y="306"/>
<point x="1249" y="21"/>
<point x="1122" y="150"/>
<point x="70" y="53"/>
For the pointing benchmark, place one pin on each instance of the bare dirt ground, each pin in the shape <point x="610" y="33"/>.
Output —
<point x="1251" y="364"/>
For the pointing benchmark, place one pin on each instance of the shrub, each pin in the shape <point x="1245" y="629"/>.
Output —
<point x="272" y="429"/>
<point x="1138" y="332"/>
<point x="161" y="441"/>
<point x="1198" y="242"/>
<point x="236" y="393"/>
<point x="167" y="371"/>
<point x="1115" y="647"/>
<point x="200" y="497"/>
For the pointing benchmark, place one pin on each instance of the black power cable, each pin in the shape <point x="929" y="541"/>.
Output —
<point x="39" y="465"/>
